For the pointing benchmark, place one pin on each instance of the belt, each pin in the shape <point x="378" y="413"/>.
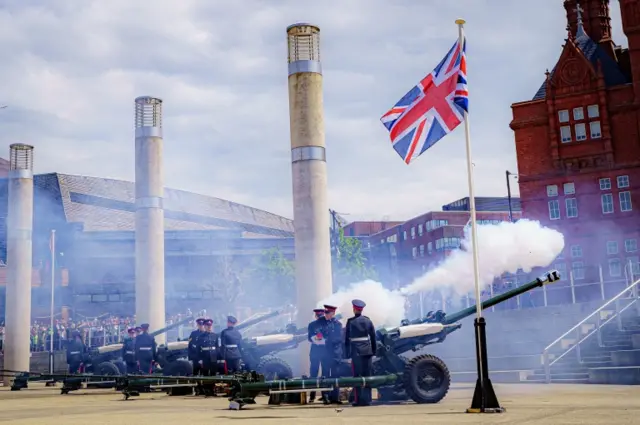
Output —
<point x="145" y="348"/>
<point x="222" y="361"/>
<point x="230" y="346"/>
<point x="359" y="339"/>
<point x="75" y="352"/>
<point x="318" y="342"/>
<point x="208" y="348"/>
<point x="128" y="352"/>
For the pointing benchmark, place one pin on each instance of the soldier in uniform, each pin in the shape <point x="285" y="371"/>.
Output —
<point x="129" y="351"/>
<point x="75" y="353"/>
<point x="360" y="347"/>
<point x="332" y="335"/>
<point x="208" y="350"/>
<point x="316" y="352"/>
<point x="192" y="351"/>
<point x="231" y="347"/>
<point x="145" y="347"/>
<point x="138" y="330"/>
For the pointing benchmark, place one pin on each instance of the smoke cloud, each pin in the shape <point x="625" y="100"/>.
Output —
<point x="503" y="248"/>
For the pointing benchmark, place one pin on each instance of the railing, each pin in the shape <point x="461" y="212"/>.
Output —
<point x="632" y="296"/>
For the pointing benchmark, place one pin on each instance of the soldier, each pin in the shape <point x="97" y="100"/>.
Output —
<point x="138" y="330"/>
<point x="208" y="350"/>
<point x="129" y="351"/>
<point x="145" y="347"/>
<point x="332" y="334"/>
<point x="75" y="352"/>
<point x="192" y="351"/>
<point x="231" y="347"/>
<point x="360" y="347"/>
<point x="314" y="335"/>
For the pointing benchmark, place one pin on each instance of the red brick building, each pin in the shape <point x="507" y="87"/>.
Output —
<point x="578" y="146"/>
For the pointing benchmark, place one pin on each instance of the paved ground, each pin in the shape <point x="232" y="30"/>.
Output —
<point x="525" y="404"/>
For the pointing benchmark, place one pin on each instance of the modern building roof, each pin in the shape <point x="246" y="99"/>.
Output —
<point x="102" y="205"/>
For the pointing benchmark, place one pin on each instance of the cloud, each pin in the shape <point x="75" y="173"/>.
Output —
<point x="70" y="74"/>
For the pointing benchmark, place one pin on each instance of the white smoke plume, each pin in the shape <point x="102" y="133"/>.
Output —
<point x="503" y="248"/>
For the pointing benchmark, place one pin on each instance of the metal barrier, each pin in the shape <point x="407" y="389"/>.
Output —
<point x="632" y="299"/>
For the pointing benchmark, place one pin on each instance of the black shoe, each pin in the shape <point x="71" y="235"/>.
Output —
<point x="338" y="402"/>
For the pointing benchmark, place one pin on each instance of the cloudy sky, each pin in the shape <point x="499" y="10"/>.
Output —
<point x="70" y="70"/>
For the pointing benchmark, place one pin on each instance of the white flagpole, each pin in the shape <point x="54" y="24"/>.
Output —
<point x="53" y="280"/>
<point x="472" y="199"/>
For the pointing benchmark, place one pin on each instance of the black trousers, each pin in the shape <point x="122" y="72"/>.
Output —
<point x="145" y="366"/>
<point x="209" y="368"/>
<point x="331" y="369"/>
<point x="362" y="366"/>
<point x="197" y="369"/>
<point x="74" y="367"/>
<point x="232" y="366"/>
<point x="314" y="368"/>
<point x="132" y="367"/>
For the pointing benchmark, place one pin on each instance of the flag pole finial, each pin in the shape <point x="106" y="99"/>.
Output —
<point x="460" y="21"/>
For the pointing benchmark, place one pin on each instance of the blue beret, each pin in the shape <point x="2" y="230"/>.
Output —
<point x="144" y="326"/>
<point x="208" y="322"/>
<point x="359" y="304"/>
<point x="318" y="310"/>
<point x="330" y="307"/>
<point x="232" y="319"/>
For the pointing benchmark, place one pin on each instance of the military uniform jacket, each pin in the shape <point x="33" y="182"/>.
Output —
<point x="360" y="337"/>
<point x="75" y="352"/>
<point x="230" y="344"/>
<point x="192" y="350"/>
<point x="332" y="333"/>
<point x="314" y="335"/>
<point x="208" y="347"/>
<point x="145" y="347"/>
<point x="129" y="350"/>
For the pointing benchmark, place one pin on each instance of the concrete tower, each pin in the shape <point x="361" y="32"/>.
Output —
<point x="309" y="168"/>
<point x="19" y="259"/>
<point x="149" y="215"/>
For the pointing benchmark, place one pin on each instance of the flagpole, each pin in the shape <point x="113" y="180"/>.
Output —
<point x="484" y="398"/>
<point x="53" y="280"/>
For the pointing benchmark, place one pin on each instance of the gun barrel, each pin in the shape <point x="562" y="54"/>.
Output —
<point x="258" y="319"/>
<point x="172" y="326"/>
<point x="547" y="278"/>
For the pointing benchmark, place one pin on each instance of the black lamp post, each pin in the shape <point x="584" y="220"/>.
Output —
<point x="509" y="173"/>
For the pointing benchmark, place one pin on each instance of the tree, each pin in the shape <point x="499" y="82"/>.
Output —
<point x="272" y="280"/>
<point x="349" y="262"/>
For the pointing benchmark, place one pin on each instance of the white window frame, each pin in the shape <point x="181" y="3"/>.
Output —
<point x="631" y="245"/>
<point x="595" y="130"/>
<point x="413" y="232"/>
<point x="623" y="202"/>
<point x="552" y="190"/>
<point x="563" y="116"/>
<point x="577" y="268"/>
<point x="592" y="108"/>
<point x="614" y="246"/>
<point x="569" y="188"/>
<point x="581" y="132"/>
<point x="414" y="251"/>
<point x="576" y="251"/>
<point x="422" y="250"/>
<point x="605" y="183"/>
<point x="420" y="229"/>
<point x="569" y="204"/>
<point x="618" y="272"/>
<point x="624" y="180"/>
<point x="404" y="235"/>
<point x="578" y="113"/>
<point x="609" y="203"/>
<point x="565" y="138"/>
<point x="554" y="210"/>
<point x="430" y="247"/>
<point x="635" y="265"/>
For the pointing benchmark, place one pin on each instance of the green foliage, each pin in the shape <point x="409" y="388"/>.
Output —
<point x="273" y="279"/>
<point x="349" y="262"/>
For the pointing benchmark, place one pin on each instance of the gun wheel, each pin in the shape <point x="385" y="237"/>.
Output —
<point x="390" y="393"/>
<point x="426" y="379"/>
<point x="108" y="369"/>
<point x="272" y="367"/>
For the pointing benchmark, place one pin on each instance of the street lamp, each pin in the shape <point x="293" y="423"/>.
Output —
<point x="509" y="173"/>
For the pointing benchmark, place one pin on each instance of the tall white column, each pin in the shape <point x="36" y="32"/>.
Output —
<point x="19" y="260"/>
<point x="150" y="297"/>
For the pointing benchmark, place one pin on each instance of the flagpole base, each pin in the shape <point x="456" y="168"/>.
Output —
<point x="484" y="397"/>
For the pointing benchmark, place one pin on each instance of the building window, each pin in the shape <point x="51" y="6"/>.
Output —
<point x="614" y="267"/>
<point x="630" y="245"/>
<point x="578" y="270"/>
<point x="404" y="235"/>
<point x="578" y="114"/>
<point x="561" y="267"/>
<point x="430" y="248"/>
<point x="563" y="116"/>
<point x="623" y="181"/>
<point x="612" y="247"/>
<point x="581" y="132"/>
<point x="634" y="264"/>
<point x="572" y="207"/>
<point x="420" y="229"/>
<point x="605" y="184"/>
<point x="414" y="251"/>
<point x="565" y="134"/>
<point x="625" y="201"/>
<point x="594" y="129"/>
<point x="552" y="190"/>
<point x="554" y="210"/>
<point x="593" y="111"/>
<point x="569" y="188"/>
<point x="413" y="233"/>
<point x="381" y="241"/>
<point x="422" y="250"/>
<point x="607" y="203"/>
<point x="576" y="251"/>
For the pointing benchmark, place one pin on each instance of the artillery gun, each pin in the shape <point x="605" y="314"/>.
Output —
<point x="394" y="343"/>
